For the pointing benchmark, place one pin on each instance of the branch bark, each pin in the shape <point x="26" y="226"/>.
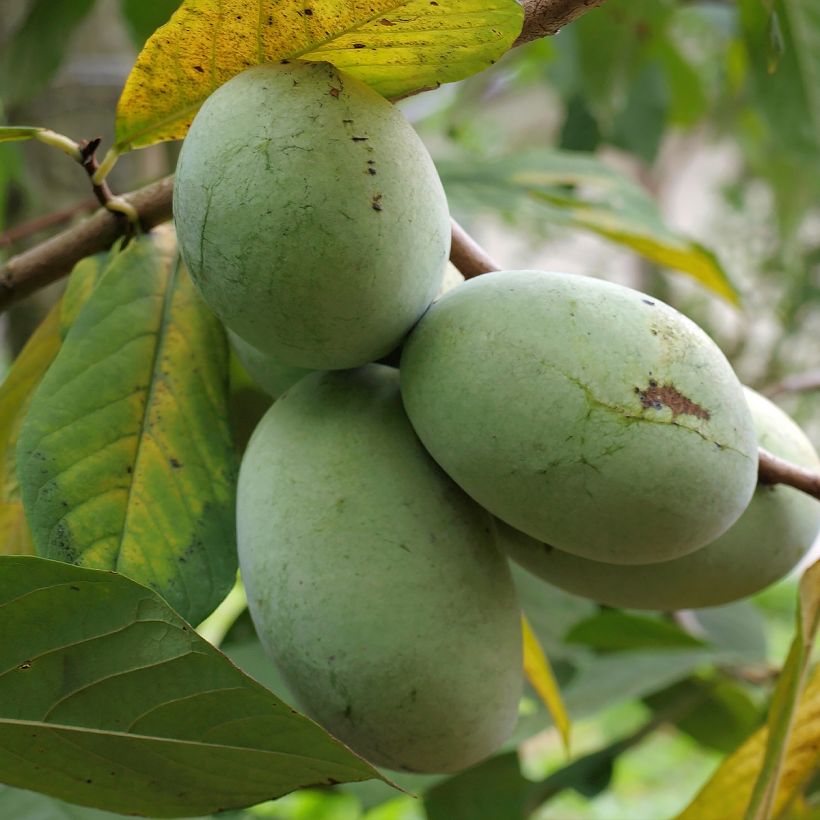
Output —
<point x="774" y="470"/>
<point x="543" y="18"/>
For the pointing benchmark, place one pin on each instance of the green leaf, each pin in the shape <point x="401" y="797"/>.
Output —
<point x="492" y="790"/>
<point x="724" y="717"/>
<point x="395" y="46"/>
<point x="577" y="190"/>
<point x="37" y="49"/>
<point x="616" y="631"/>
<point x="737" y="631"/>
<point x="126" y="460"/>
<point x="144" y="19"/>
<point x="15" y="396"/>
<point x="109" y="699"/>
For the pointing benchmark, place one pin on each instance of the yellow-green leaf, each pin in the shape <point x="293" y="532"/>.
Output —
<point x="395" y="46"/>
<point x="577" y="190"/>
<point x="126" y="460"/>
<point x="539" y="673"/>
<point x="764" y="775"/>
<point x="16" y="392"/>
<point x="15" y="395"/>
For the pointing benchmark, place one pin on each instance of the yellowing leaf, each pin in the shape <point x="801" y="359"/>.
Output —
<point x="761" y="778"/>
<point x="395" y="46"/>
<point x="539" y="673"/>
<point x="126" y="460"/>
<point x="22" y="132"/>
<point x="15" y="394"/>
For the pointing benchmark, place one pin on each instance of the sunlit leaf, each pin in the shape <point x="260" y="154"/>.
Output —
<point x="395" y="46"/>
<point x="126" y="460"/>
<point x="539" y="674"/>
<point x="577" y="190"/>
<point x="109" y="699"/>
<point x="760" y="778"/>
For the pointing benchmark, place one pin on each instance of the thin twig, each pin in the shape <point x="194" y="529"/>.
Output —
<point x="468" y="256"/>
<point x="43" y="223"/>
<point x="543" y="18"/>
<point x="800" y="383"/>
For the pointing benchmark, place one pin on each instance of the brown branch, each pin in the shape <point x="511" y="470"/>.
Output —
<point x="774" y="470"/>
<point x="468" y="256"/>
<point x="543" y="18"/>
<point x="46" y="263"/>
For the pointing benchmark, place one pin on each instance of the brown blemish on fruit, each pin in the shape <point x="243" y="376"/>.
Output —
<point x="376" y="202"/>
<point x="656" y="397"/>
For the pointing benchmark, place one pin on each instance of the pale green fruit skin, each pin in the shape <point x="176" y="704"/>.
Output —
<point x="374" y="582"/>
<point x="767" y="541"/>
<point x="533" y="391"/>
<point x="310" y="215"/>
<point x="268" y="373"/>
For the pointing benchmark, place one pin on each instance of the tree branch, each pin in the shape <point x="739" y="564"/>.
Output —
<point x="800" y="383"/>
<point x="543" y="18"/>
<point x="774" y="470"/>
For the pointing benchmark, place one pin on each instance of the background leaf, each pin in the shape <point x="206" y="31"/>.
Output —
<point x="576" y="190"/>
<point x="764" y="773"/>
<point x="37" y="49"/>
<point x="109" y="699"/>
<point x="616" y="631"/>
<point x="144" y="19"/>
<point x="539" y="674"/>
<point x="395" y="46"/>
<point x="126" y="460"/>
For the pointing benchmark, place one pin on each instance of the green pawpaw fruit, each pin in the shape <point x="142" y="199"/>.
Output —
<point x="310" y="215"/>
<point x="374" y="582"/>
<point x="586" y="414"/>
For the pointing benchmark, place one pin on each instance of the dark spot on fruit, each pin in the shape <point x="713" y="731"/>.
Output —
<point x="376" y="202"/>
<point x="647" y="301"/>
<point x="359" y="139"/>
<point x="656" y="397"/>
<point x="334" y="92"/>
<point x="371" y="171"/>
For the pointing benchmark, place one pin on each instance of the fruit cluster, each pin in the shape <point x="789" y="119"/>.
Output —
<point x="590" y="432"/>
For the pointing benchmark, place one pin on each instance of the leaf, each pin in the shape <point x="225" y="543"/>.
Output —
<point x="723" y="719"/>
<point x="37" y="49"/>
<point x="395" y="46"/>
<point x="576" y="190"/>
<point x="539" y="674"/>
<point x="616" y="631"/>
<point x="15" y="395"/>
<point x="10" y="133"/>
<point x="804" y="24"/>
<point x="144" y="19"/>
<point x="125" y="459"/>
<point x="763" y="775"/>
<point x="491" y="790"/>
<point x="109" y="699"/>
<point x="737" y="631"/>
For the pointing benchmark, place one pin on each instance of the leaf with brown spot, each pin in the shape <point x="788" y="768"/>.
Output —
<point x="395" y="46"/>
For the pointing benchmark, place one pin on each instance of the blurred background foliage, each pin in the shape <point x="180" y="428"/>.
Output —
<point x="649" y="125"/>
